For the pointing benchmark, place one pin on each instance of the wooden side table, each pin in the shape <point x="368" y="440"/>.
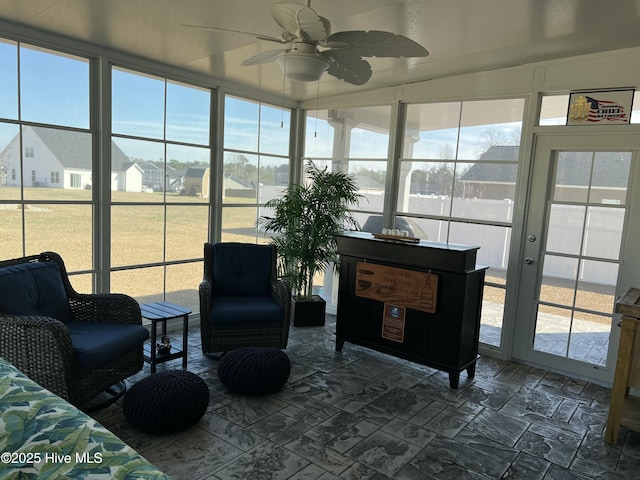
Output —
<point x="624" y="410"/>
<point x="160" y="312"/>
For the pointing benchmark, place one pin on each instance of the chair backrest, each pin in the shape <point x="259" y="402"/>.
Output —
<point x="242" y="269"/>
<point x="34" y="288"/>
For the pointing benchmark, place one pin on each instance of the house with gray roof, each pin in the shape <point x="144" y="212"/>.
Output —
<point x="54" y="158"/>
<point x="492" y="177"/>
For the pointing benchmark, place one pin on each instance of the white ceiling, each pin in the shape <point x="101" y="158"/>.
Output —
<point x="462" y="36"/>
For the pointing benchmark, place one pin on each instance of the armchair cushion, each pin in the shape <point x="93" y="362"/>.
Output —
<point x="241" y="269"/>
<point x="96" y="343"/>
<point x="245" y="309"/>
<point x="34" y="289"/>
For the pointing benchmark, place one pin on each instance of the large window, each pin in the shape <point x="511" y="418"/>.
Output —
<point x="458" y="175"/>
<point x="45" y="148"/>
<point x="355" y="141"/>
<point x="160" y="187"/>
<point x="256" y="165"/>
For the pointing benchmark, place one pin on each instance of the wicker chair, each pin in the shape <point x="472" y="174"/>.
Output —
<point x="242" y="304"/>
<point x="53" y="352"/>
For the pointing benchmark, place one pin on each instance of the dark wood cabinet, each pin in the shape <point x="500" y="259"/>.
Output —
<point x="445" y="338"/>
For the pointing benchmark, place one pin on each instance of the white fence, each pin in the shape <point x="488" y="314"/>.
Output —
<point x="574" y="230"/>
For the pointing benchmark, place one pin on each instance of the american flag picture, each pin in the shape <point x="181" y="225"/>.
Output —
<point x="611" y="107"/>
<point x="605" y="110"/>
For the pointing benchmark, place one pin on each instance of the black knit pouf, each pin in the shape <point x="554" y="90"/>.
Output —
<point x="166" y="402"/>
<point x="254" y="370"/>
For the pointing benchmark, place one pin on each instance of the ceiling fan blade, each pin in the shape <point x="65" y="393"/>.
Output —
<point x="376" y="43"/>
<point x="348" y="65"/>
<point x="300" y="21"/>
<point x="218" y="29"/>
<point x="264" y="57"/>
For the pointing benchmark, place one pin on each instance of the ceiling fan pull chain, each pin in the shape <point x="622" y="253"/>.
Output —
<point x="284" y="77"/>
<point x="315" y="133"/>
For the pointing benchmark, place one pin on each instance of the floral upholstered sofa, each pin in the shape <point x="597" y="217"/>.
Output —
<point x="43" y="436"/>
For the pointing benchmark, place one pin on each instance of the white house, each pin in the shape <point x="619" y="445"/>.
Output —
<point x="62" y="159"/>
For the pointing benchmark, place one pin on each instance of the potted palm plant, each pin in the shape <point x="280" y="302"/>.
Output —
<point x="304" y="223"/>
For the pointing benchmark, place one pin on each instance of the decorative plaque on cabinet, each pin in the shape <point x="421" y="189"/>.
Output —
<point x="393" y="322"/>
<point x="399" y="286"/>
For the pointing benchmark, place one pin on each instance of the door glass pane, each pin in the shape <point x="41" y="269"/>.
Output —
<point x="603" y="232"/>
<point x="572" y="175"/>
<point x="590" y="338"/>
<point x="597" y="286"/>
<point x="564" y="230"/>
<point x="610" y="175"/>
<point x="553" y="326"/>
<point x="558" y="280"/>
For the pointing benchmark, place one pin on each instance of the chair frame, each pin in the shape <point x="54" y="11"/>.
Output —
<point x="221" y="337"/>
<point x="41" y="346"/>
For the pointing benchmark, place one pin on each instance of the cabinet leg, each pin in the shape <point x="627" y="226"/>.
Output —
<point x="339" y="343"/>
<point x="471" y="370"/>
<point x="454" y="379"/>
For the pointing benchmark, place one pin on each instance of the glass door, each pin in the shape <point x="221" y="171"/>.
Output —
<point x="578" y="214"/>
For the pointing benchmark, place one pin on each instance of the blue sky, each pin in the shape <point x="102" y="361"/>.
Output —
<point x="55" y="89"/>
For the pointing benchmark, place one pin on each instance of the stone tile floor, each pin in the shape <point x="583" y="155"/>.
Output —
<point x="359" y="414"/>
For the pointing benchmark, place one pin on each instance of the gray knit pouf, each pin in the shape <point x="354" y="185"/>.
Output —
<point x="166" y="402"/>
<point x="254" y="370"/>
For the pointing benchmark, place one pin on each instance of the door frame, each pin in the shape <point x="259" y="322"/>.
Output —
<point x="523" y="327"/>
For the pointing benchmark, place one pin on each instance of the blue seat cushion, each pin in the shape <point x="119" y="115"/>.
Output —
<point x="34" y="289"/>
<point x="241" y="269"/>
<point x="244" y="310"/>
<point x="96" y="343"/>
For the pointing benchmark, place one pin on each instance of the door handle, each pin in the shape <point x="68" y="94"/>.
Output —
<point x="528" y="260"/>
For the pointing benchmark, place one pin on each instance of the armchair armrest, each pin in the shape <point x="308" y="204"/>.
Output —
<point x="205" y="291"/>
<point x="40" y="348"/>
<point x="281" y="294"/>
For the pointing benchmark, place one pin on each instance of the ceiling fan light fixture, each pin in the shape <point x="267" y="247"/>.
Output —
<point x="302" y="66"/>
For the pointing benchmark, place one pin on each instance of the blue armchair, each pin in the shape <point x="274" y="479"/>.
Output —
<point x="242" y="303"/>
<point x="75" y="345"/>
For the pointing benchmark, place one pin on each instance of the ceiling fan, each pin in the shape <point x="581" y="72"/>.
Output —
<point x="310" y="48"/>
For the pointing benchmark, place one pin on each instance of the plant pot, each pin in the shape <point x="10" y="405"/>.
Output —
<point x="308" y="313"/>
